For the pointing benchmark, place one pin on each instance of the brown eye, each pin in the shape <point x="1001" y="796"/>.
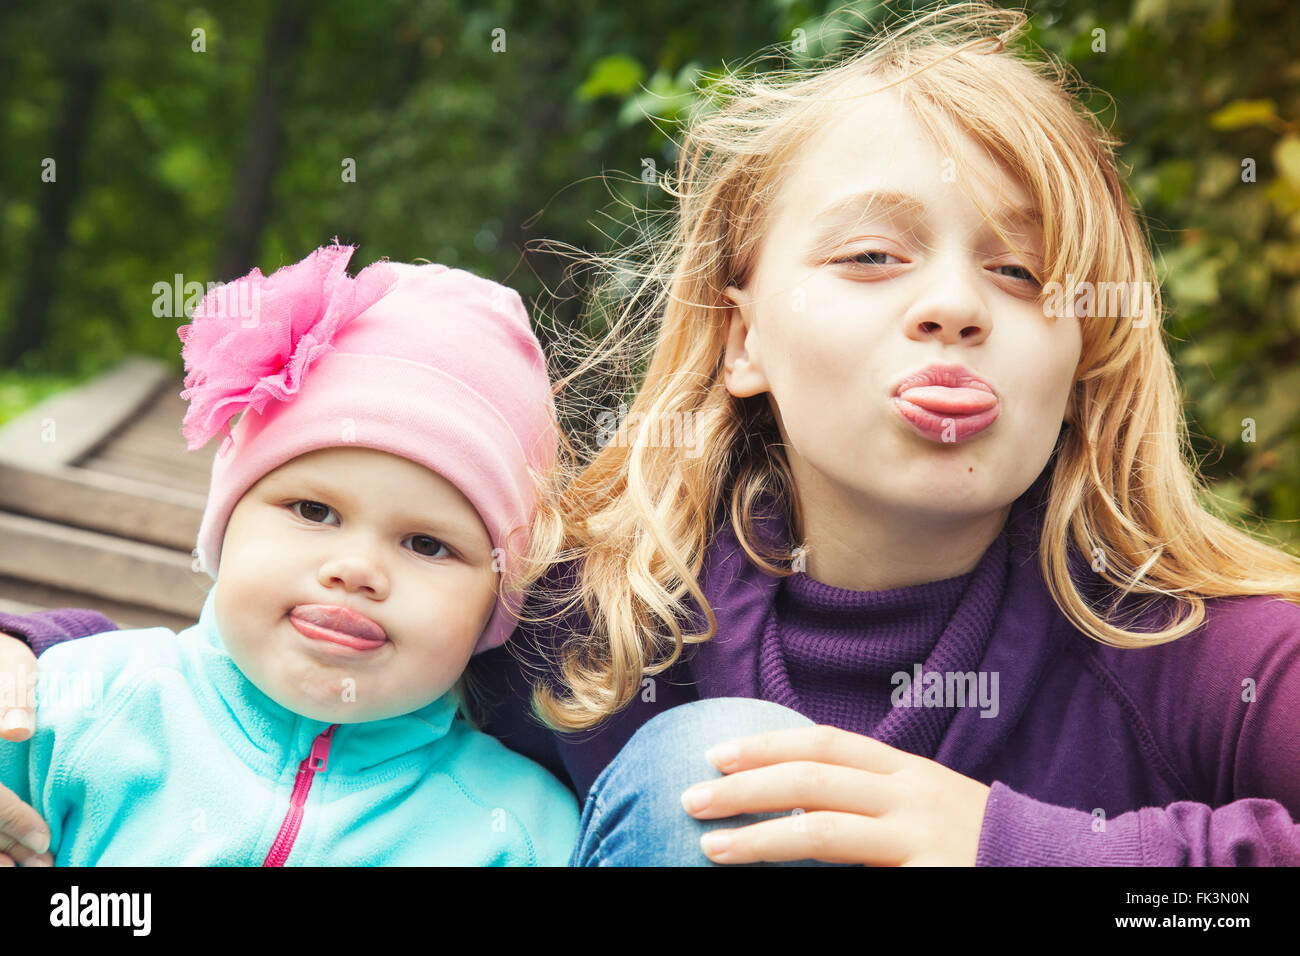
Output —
<point x="429" y="547"/>
<point x="312" y="511"/>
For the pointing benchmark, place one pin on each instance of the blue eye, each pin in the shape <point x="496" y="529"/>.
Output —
<point x="429" y="547"/>
<point x="316" y="512"/>
<point x="1028" y="276"/>
<point x="857" y="258"/>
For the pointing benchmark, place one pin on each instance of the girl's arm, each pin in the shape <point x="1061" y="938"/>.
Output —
<point x="1248" y="750"/>
<point x="878" y="805"/>
<point x="1022" y="831"/>
<point x="24" y="635"/>
<point x="24" y="837"/>
<point x="41" y="630"/>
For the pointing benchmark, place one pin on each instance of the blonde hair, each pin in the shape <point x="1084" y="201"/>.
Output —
<point x="636" y="517"/>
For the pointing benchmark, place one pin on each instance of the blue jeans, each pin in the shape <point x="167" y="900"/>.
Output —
<point x="634" y="814"/>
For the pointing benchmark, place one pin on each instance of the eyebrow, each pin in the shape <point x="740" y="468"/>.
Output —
<point x="897" y="206"/>
<point x="309" y="489"/>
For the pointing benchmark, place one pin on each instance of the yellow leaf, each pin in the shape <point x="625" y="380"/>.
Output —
<point x="1287" y="156"/>
<point x="1240" y="113"/>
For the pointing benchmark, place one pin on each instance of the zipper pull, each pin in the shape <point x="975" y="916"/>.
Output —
<point x="320" y="749"/>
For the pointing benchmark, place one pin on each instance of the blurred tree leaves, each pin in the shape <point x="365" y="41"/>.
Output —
<point x="1205" y="99"/>
<point x="616" y="75"/>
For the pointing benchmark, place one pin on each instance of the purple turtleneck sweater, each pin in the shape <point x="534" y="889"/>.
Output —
<point x="1182" y="754"/>
<point x="832" y="655"/>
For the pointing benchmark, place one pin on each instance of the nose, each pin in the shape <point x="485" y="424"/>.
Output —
<point x="355" y="572"/>
<point x="950" y="309"/>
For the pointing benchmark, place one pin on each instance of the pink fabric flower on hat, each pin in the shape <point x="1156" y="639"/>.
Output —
<point x="254" y="339"/>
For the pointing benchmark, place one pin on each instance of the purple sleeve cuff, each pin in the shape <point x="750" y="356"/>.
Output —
<point x="1021" y="831"/>
<point x="41" y="630"/>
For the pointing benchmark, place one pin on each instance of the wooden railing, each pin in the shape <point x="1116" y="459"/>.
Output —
<point x="100" y="503"/>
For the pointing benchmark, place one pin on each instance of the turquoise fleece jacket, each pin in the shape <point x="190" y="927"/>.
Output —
<point x="152" y="748"/>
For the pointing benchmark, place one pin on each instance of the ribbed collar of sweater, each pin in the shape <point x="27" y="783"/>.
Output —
<point x="839" y="656"/>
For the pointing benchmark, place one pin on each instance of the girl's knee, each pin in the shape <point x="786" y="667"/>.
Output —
<point x="667" y="753"/>
<point x="704" y="723"/>
<point x="634" y="813"/>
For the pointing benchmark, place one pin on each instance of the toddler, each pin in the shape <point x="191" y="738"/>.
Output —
<point x="381" y="474"/>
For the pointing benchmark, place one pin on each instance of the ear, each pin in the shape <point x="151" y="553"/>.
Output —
<point x="742" y="367"/>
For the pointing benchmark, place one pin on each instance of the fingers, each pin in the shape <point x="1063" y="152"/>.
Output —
<point x="820" y="744"/>
<point x="829" y="837"/>
<point x="799" y="784"/>
<point x="22" y="831"/>
<point x="19" y="855"/>
<point x="17" y="702"/>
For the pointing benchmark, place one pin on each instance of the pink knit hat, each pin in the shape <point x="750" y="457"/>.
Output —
<point x="433" y="364"/>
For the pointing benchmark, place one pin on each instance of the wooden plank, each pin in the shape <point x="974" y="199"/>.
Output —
<point x="144" y="468"/>
<point x="142" y="442"/>
<point x="151" y="447"/>
<point x="191" y="484"/>
<point x="67" y="426"/>
<point x="104" y="502"/>
<point x="169" y="408"/>
<point x="141" y="433"/>
<point x="75" y="559"/>
<point x="8" y="606"/>
<point x="39" y="597"/>
<point x="154" y="465"/>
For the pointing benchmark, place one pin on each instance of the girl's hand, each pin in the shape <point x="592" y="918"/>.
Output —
<point x="17" y="707"/>
<point x="852" y="798"/>
<point x="19" y="823"/>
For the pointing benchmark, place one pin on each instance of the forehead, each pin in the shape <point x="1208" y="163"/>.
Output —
<point x="368" y="479"/>
<point x="873" y="146"/>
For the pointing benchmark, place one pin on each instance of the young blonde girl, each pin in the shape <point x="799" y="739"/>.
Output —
<point x="1148" y="652"/>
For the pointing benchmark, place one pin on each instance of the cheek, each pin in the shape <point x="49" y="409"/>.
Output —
<point x="819" y="348"/>
<point x="478" y="608"/>
<point x="1056" y="362"/>
<point x="449" y="608"/>
<point x="255" y="558"/>
<point x="1042" y="376"/>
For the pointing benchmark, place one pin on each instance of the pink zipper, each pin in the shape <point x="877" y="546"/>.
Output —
<point x="314" y="761"/>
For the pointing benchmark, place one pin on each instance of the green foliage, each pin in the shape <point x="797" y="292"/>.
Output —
<point x="1205" y="93"/>
<point x="19" y="392"/>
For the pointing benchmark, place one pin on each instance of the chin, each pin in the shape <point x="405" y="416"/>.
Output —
<point x="330" y="711"/>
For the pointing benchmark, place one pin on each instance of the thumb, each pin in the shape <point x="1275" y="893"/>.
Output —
<point x="18" y="669"/>
<point x="17" y="724"/>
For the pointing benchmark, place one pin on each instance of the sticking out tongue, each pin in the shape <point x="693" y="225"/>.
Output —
<point x="943" y="400"/>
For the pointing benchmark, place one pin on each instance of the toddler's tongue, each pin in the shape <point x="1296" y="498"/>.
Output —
<point x="341" y="621"/>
